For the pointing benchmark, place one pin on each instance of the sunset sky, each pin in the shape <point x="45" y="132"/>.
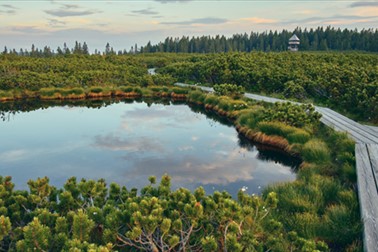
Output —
<point x="124" y="23"/>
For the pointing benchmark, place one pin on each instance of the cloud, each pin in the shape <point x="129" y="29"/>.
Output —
<point x="28" y="29"/>
<point x="71" y="6"/>
<point x="336" y="19"/>
<point x="202" y="21"/>
<point x="9" y="9"/>
<point x="8" y="6"/>
<point x="69" y="13"/>
<point x="70" y="10"/>
<point x="9" y="12"/>
<point x="13" y="155"/>
<point x="136" y="144"/>
<point x="56" y="23"/>
<point x="364" y="4"/>
<point x="147" y="11"/>
<point x="190" y="169"/>
<point x="257" y="20"/>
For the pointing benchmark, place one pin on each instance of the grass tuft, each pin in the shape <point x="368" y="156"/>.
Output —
<point x="316" y="151"/>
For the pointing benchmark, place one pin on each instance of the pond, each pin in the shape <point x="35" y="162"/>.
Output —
<point x="126" y="142"/>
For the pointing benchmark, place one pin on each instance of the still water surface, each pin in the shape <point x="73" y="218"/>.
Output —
<point x="128" y="142"/>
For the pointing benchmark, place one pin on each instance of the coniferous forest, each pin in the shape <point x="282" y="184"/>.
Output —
<point x="320" y="39"/>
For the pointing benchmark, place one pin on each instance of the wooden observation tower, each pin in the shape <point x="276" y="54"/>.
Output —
<point x="293" y="43"/>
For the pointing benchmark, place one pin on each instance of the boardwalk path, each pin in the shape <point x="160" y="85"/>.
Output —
<point x="366" y="163"/>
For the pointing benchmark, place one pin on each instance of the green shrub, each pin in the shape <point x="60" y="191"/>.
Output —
<point x="316" y="151"/>
<point x="231" y="90"/>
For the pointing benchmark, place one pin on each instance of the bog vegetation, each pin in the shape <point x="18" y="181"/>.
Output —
<point x="317" y="212"/>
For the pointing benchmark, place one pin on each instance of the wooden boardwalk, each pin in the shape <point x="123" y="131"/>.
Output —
<point x="366" y="138"/>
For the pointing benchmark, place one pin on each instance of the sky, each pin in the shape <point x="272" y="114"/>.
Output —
<point x="124" y="23"/>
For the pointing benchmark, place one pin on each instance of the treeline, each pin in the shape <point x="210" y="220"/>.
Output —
<point x="319" y="39"/>
<point x="78" y="49"/>
<point x="345" y="81"/>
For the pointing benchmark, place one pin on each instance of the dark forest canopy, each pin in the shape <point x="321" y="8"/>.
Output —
<point x="320" y="39"/>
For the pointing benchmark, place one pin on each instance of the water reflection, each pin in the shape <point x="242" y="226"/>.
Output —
<point x="127" y="141"/>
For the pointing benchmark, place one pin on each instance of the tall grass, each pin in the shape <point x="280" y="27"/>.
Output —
<point x="196" y="96"/>
<point x="250" y="117"/>
<point x="6" y="95"/>
<point x="211" y="100"/>
<point x="338" y="224"/>
<point x="72" y="91"/>
<point x="96" y="90"/>
<point x="316" y="151"/>
<point x="49" y="92"/>
<point x="292" y="134"/>
<point x="178" y="90"/>
<point x="126" y="89"/>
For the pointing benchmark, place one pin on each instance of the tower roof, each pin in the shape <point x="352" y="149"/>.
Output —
<point x="294" y="38"/>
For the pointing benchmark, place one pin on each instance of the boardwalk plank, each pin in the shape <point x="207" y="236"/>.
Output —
<point x="373" y="154"/>
<point x="338" y="125"/>
<point x="368" y="196"/>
